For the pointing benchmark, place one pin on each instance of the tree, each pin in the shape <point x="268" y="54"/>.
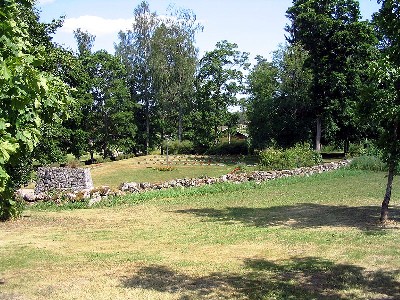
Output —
<point x="293" y="119"/>
<point x="85" y="41"/>
<point x="134" y="49"/>
<point x="337" y="43"/>
<point x="173" y="61"/>
<point x="262" y="86"/>
<point x="112" y="124"/>
<point x="219" y="80"/>
<point x="29" y="97"/>
<point x="381" y="101"/>
<point x="279" y="104"/>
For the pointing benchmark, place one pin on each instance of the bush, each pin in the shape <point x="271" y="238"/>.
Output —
<point x="176" y="147"/>
<point x="365" y="149"/>
<point x="164" y="168"/>
<point x="369" y="163"/>
<point x="301" y="155"/>
<point x="234" y="148"/>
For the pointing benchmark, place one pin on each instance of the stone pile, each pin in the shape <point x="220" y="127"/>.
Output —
<point x="63" y="179"/>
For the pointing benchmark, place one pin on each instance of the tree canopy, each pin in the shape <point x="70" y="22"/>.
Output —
<point x="29" y="97"/>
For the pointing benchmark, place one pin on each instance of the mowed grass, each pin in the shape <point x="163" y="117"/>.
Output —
<point x="295" y="238"/>
<point x="147" y="169"/>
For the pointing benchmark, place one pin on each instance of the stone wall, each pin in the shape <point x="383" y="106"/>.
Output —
<point x="63" y="179"/>
<point x="79" y="184"/>
<point x="235" y="177"/>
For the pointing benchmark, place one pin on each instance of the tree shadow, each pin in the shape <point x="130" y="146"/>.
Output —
<point x="303" y="215"/>
<point x="297" y="278"/>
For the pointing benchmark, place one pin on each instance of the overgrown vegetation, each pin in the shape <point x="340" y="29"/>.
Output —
<point x="301" y="155"/>
<point x="232" y="148"/>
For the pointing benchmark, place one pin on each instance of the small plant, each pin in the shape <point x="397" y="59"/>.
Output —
<point x="164" y="168"/>
<point x="75" y="163"/>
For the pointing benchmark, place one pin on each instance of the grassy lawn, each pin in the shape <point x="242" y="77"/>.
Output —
<point x="295" y="238"/>
<point x="146" y="169"/>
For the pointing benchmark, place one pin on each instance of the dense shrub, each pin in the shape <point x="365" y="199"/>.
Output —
<point x="176" y="147"/>
<point x="301" y="155"/>
<point x="233" y="148"/>
<point x="368" y="162"/>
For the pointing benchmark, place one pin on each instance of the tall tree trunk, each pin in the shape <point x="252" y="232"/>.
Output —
<point x="147" y="127"/>
<point x="392" y="168"/>
<point x="180" y="124"/>
<point x="346" y="146"/>
<point x="388" y="194"/>
<point x="318" y="135"/>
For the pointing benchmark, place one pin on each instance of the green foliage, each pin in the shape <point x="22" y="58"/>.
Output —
<point x="50" y="148"/>
<point x="368" y="163"/>
<point x="339" y="46"/>
<point x="380" y="105"/>
<point x="173" y="64"/>
<point x="177" y="147"/>
<point x="164" y="168"/>
<point x="134" y="50"/>
<point x="279" y="106"/>
<point x="111" y="120"/>
<point x="29" y="97"/>
<point x="301" y="155"/>
<point x="232" y="148"/>
<point x="219" y="80"/>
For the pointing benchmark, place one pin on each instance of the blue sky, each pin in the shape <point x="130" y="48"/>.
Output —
<point x="257" y="26"/>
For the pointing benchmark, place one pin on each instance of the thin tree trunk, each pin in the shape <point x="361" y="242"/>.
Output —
<point x="346" y="146"/>
<point x="147" y="127"/>
<point x="318" y="135"/>
<point x="388" y="194"/>
<point x="180" y="124"/>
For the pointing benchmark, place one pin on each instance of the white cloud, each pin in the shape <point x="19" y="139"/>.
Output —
<point x="96" y="25"/>
<point x="44" y="2"/>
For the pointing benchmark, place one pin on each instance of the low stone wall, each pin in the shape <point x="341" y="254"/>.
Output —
<point x="79" y="185"/>
<point x="63" y="179"/>
<point x="256" y="176"/>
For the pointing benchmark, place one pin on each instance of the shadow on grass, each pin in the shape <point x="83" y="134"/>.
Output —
<point x="298" y="278"/>
<point x="304" y="215"/>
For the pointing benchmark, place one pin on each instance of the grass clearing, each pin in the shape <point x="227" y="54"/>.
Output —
<point x="294" y="238"/>
<point x="144" y="168"/>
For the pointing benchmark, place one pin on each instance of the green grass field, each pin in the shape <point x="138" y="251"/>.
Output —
<point x="146" y="168"/>
<point x="295" y="238"/>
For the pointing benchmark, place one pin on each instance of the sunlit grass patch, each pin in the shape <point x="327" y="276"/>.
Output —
<point x="293" y="238"/>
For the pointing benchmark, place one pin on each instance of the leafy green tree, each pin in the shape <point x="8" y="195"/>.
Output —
<point x="85" y="41"/>
<point x="112" y="113"/>
<point x="293" y="117"/>
<point x="173" y="61"/>
<point x="381" y="101"/>
<point x="338" y="43"/>
<point x="279" y="103"/>
<point x="134" y="49"/>
<point x="262" y="86"/>
<point x="219" y="80"/>
<point x="30" y="97"/>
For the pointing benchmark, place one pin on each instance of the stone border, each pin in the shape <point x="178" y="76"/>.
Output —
<point x="97" y="194"/>
<point x="235" y="177"/>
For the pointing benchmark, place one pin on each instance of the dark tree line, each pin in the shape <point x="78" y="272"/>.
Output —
<point x="336" y="82"/>
<point x="154" y="88"/>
